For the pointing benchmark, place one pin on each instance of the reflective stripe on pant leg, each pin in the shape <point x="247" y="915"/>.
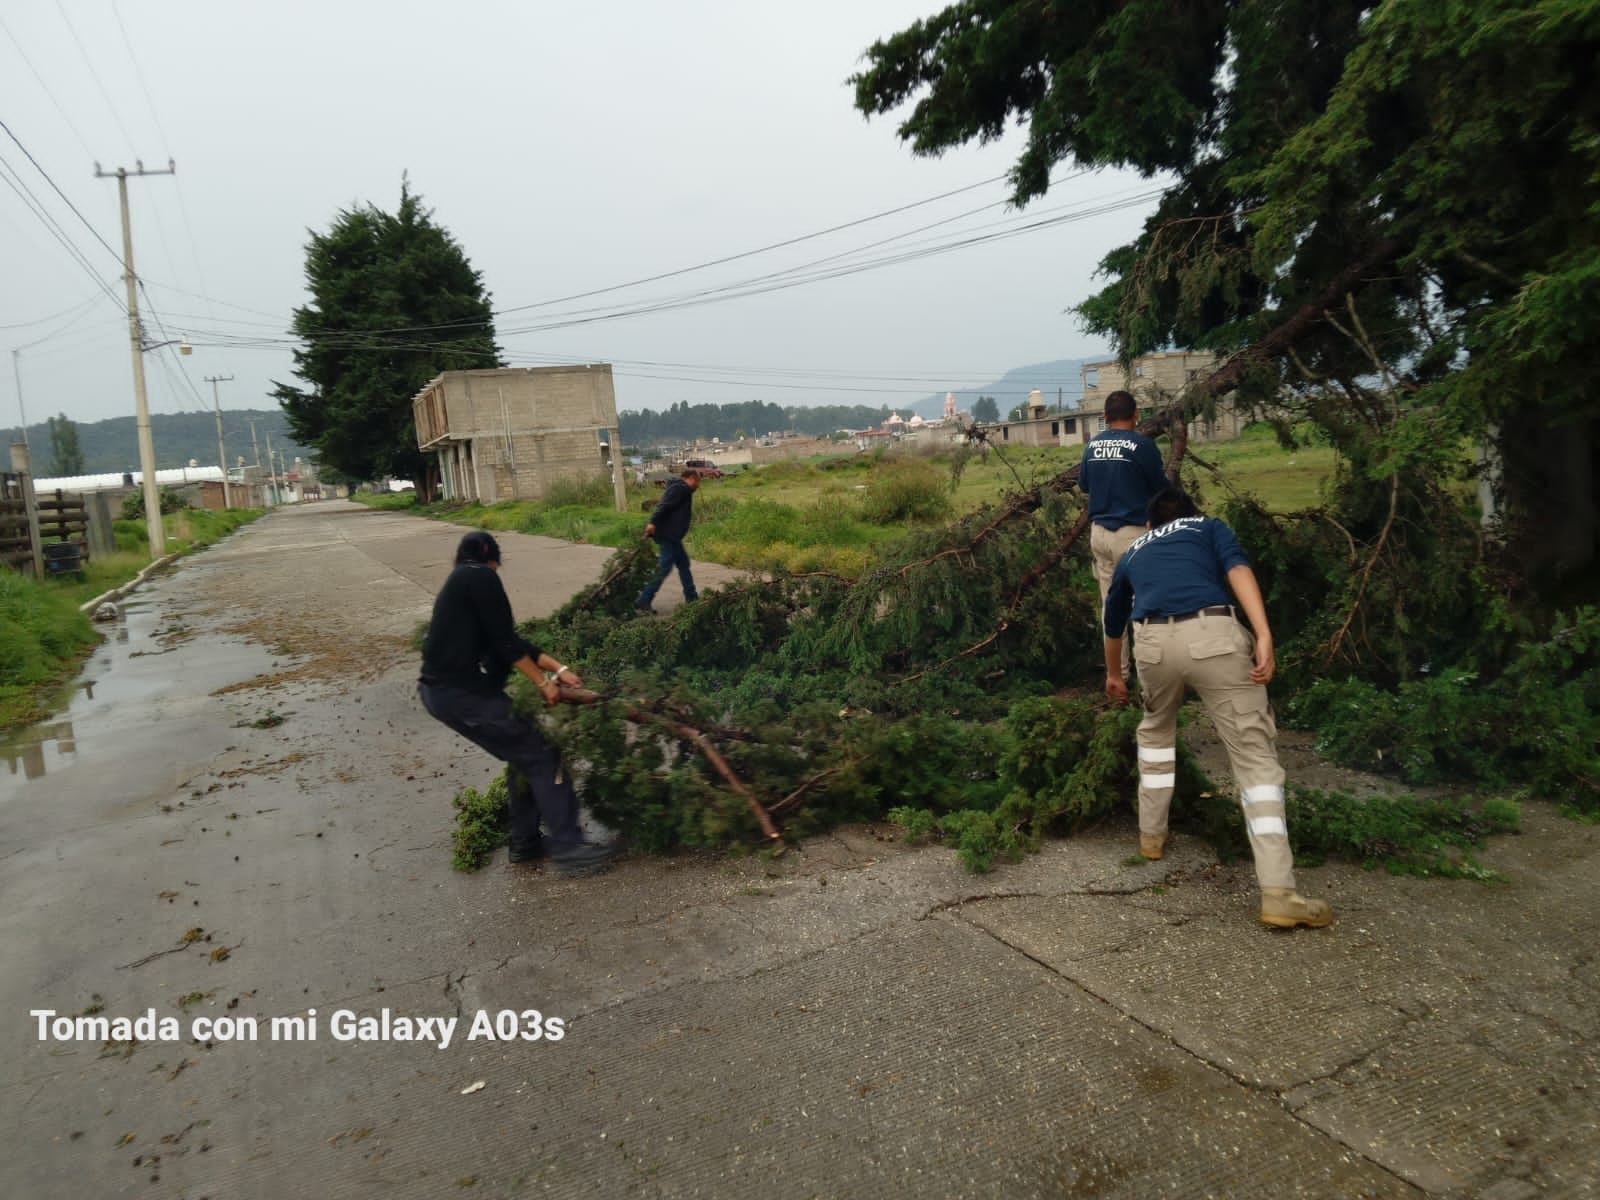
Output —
<point x="1161" y="692"/>
<point x="1222" y="652"/>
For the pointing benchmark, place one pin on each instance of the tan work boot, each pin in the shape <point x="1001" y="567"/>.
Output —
<point x="1152" y="845"/>
<point x="1286" y="908"/>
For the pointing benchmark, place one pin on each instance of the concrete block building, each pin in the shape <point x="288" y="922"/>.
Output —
<point x="1154" y="379"/>
<point x="510" y="434"/>
<point x="1039" y="427"/>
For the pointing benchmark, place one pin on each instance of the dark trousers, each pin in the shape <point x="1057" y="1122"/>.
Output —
<point x="672" y="555"/>
<point x="488" y="721"/>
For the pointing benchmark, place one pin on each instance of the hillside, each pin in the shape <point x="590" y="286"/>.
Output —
<point x="1061" y="381"/>
<point x="113" y="444"/>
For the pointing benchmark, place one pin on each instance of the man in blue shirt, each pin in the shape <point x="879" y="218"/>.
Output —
<point x="1121" y="471"/>
<point x="1178" y="584"/>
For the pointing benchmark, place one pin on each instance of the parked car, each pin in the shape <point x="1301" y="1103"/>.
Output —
<point x="707" y="468"/>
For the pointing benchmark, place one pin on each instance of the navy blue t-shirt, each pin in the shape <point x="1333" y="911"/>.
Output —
<point x="1180" y="568"/>
<point x="1121" y="470"/>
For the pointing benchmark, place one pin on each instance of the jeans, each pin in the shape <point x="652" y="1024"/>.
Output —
<point x="672" y="555"/>
<point x="543" y="792"/>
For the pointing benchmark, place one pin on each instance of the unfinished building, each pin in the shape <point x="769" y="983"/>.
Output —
<point x="510" y="434"/>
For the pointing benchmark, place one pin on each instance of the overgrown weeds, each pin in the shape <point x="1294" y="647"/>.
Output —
<point x="45" y="635"/>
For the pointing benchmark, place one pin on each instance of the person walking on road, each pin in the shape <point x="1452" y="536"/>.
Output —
<point x="471" y="647"/>
<point x="1121" y="472"/>
<point x="669" y="524"/>
<point x="1184" y="585"/>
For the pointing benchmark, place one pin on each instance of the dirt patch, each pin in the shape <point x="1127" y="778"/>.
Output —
<point x="1297" y="751"/>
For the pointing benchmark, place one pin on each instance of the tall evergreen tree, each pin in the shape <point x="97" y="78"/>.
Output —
<point x="1422" y="172"/>
<point x="66" y="455"/>
<point x="985" y="409"/>
<point x="394" y="301"/>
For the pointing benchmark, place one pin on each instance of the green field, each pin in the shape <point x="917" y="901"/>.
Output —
<point x="827" y="513"/>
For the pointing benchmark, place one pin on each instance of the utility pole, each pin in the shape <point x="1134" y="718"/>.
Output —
<point x="222" y="456"/>
<point x="147" y="445"/>
<point x="16" y="369"/>
<point x="270" y="471"/>
<point x="255" y="448"/>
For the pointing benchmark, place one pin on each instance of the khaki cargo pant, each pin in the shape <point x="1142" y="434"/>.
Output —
<point x="1106" y="547"/>
<point x="1213" y="655"/>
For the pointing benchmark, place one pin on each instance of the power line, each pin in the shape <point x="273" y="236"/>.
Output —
<point x="25" y="193"/>
<point x="792" y="241"/>
<point x="774" y="281"/>
<point x="167" y="339"/>
<point x="116" y="114"/>
<point x="59" y="192"/>
<point x="46" y="320"/>
<point x="88" y="153"/>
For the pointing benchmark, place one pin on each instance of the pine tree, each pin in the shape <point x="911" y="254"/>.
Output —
<point x="394" y="301"/>
<point x="1425" y="170"/>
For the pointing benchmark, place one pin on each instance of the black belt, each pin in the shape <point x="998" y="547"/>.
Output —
<point x="1215" y="610"/>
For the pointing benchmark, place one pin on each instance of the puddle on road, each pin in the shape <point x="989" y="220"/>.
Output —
<point x="146" y="668"/>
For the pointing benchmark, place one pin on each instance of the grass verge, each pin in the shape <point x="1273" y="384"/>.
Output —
<point x="47" y="637"/>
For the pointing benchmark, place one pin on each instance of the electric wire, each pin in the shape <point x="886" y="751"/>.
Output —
<point x="792" y="241"/>
<point x="116" y="115"/>
<point x="44" y="87"/>
<point x="166" y="145"/>
<point x="13" y="180"/>
<point x="773" y="281"/>
<point x="57" y="188"/>
<point x="46" y="320"/>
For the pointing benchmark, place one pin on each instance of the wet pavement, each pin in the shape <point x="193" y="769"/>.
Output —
<point x="246" y="817"/>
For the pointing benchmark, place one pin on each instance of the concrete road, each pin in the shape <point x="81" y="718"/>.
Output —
<point x="246" y="818"/>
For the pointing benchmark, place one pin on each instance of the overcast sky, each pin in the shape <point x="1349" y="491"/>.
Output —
<point x="567" y="148"/>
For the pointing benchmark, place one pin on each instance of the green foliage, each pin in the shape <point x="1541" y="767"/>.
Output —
<point x="66" y="455"/>
<point x="483" y="824"/>
<point x="985" y="409"/>
<point x="1534" y="723"/>
<point x="1353" y="186"/>
<point x="906" y="489"/>
<point x="1407" y="835"/>
<point x="44" y="635"/>
<point x="388" y="501"/>
<point x="133" y="504"/>
<point x="379" y="272"/>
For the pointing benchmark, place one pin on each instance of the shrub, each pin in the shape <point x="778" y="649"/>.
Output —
<point x="906" y="489"/>
<point x="1536" y="725"/>
<point x="1407" y="835"/>
<point x="133" y="505"/>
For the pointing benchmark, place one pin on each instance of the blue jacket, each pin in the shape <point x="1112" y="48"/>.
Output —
<point x="1121" y="471"/>
<point x="1180" y="568"/>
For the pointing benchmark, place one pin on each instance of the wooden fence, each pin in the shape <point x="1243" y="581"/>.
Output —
<point x="63" y="517"/>
<point x="16" y="549"/>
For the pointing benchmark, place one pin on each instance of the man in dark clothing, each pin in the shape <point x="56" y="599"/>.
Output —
<point x="669" y="523"/>
<point x="472" y="645"/>
<point x="1122" y="472"/>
